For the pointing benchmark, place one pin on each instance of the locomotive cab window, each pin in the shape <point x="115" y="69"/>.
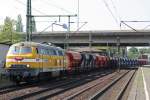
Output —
<point x="46" y="51"/>
<point x="19" y="50"/>
<point x="24" y="50"/>
<point x="43" y="51"/>
<point x="52" y="51"/>
<point x="60" y="53"/>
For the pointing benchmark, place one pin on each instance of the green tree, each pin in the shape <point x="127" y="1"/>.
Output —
<point x="133" y="53"/>
<point x="19" y="25"/>
<point x="144" y="50"/>
<point x="8" y="33"/>
<point x="133" y="49"/>
<point x="8" y="26"/>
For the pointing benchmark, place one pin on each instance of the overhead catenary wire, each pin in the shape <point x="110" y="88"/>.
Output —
<point x="107" y="6"/>
<point x="56" y="6"/>
<point x="46" y="28"/>
<point x="135" y="21"/>
<point x="146" y="27"/>
<point x="128" y="26"/>
<point x="45" y="2"/>
<point x="40" y="12"/>
<point x="115" y="9"/>
<point x="32" y="7"/>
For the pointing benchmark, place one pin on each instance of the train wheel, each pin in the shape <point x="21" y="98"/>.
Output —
<point x="17" y="80"/>
<point x="39" y="77"/>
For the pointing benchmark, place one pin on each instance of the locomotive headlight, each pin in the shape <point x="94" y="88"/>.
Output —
<point x="9" y="65"/>
<point x="28" y="66"/>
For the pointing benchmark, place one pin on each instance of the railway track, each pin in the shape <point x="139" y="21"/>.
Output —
<point x="70" y="87"/>
<point x="116" y="89"/>
<point x="90" y="86"/>
<point x="41" y="89"/>
<point x="100" y="86"/>
<point x="54" y="92"/>
<point x="15" y="87"/>
<point x="12" y="88"/>
<point x="84" y="92"/>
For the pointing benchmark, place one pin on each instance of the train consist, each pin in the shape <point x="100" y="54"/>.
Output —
<point x="29" y="60"/>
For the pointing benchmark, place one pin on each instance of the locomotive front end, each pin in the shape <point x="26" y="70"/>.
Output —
<point x="19" y="62"/>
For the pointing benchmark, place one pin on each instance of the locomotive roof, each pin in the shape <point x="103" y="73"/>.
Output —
<point x="35" y="44"/>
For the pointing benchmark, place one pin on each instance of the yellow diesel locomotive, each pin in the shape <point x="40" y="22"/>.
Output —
<point x="27" y="60"/>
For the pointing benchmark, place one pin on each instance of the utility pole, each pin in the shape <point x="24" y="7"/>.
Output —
<point x="90" y="42"/>
<point x="67" y="34"/>
<point x="118" y="52"/>
<point x="28" y="21"/>
<point x="108" y="49"/>
<point x="78" y="16"/>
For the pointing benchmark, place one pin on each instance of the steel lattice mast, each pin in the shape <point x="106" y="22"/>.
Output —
<point x="28" y="21"/>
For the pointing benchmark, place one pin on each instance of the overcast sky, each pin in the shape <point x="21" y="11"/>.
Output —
<point x="100" y="14"/>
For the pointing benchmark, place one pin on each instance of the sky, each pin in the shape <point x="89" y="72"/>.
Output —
<point x="99" y="14"/>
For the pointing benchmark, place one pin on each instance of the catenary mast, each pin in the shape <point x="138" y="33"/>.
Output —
<point x="28" y="21"/>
